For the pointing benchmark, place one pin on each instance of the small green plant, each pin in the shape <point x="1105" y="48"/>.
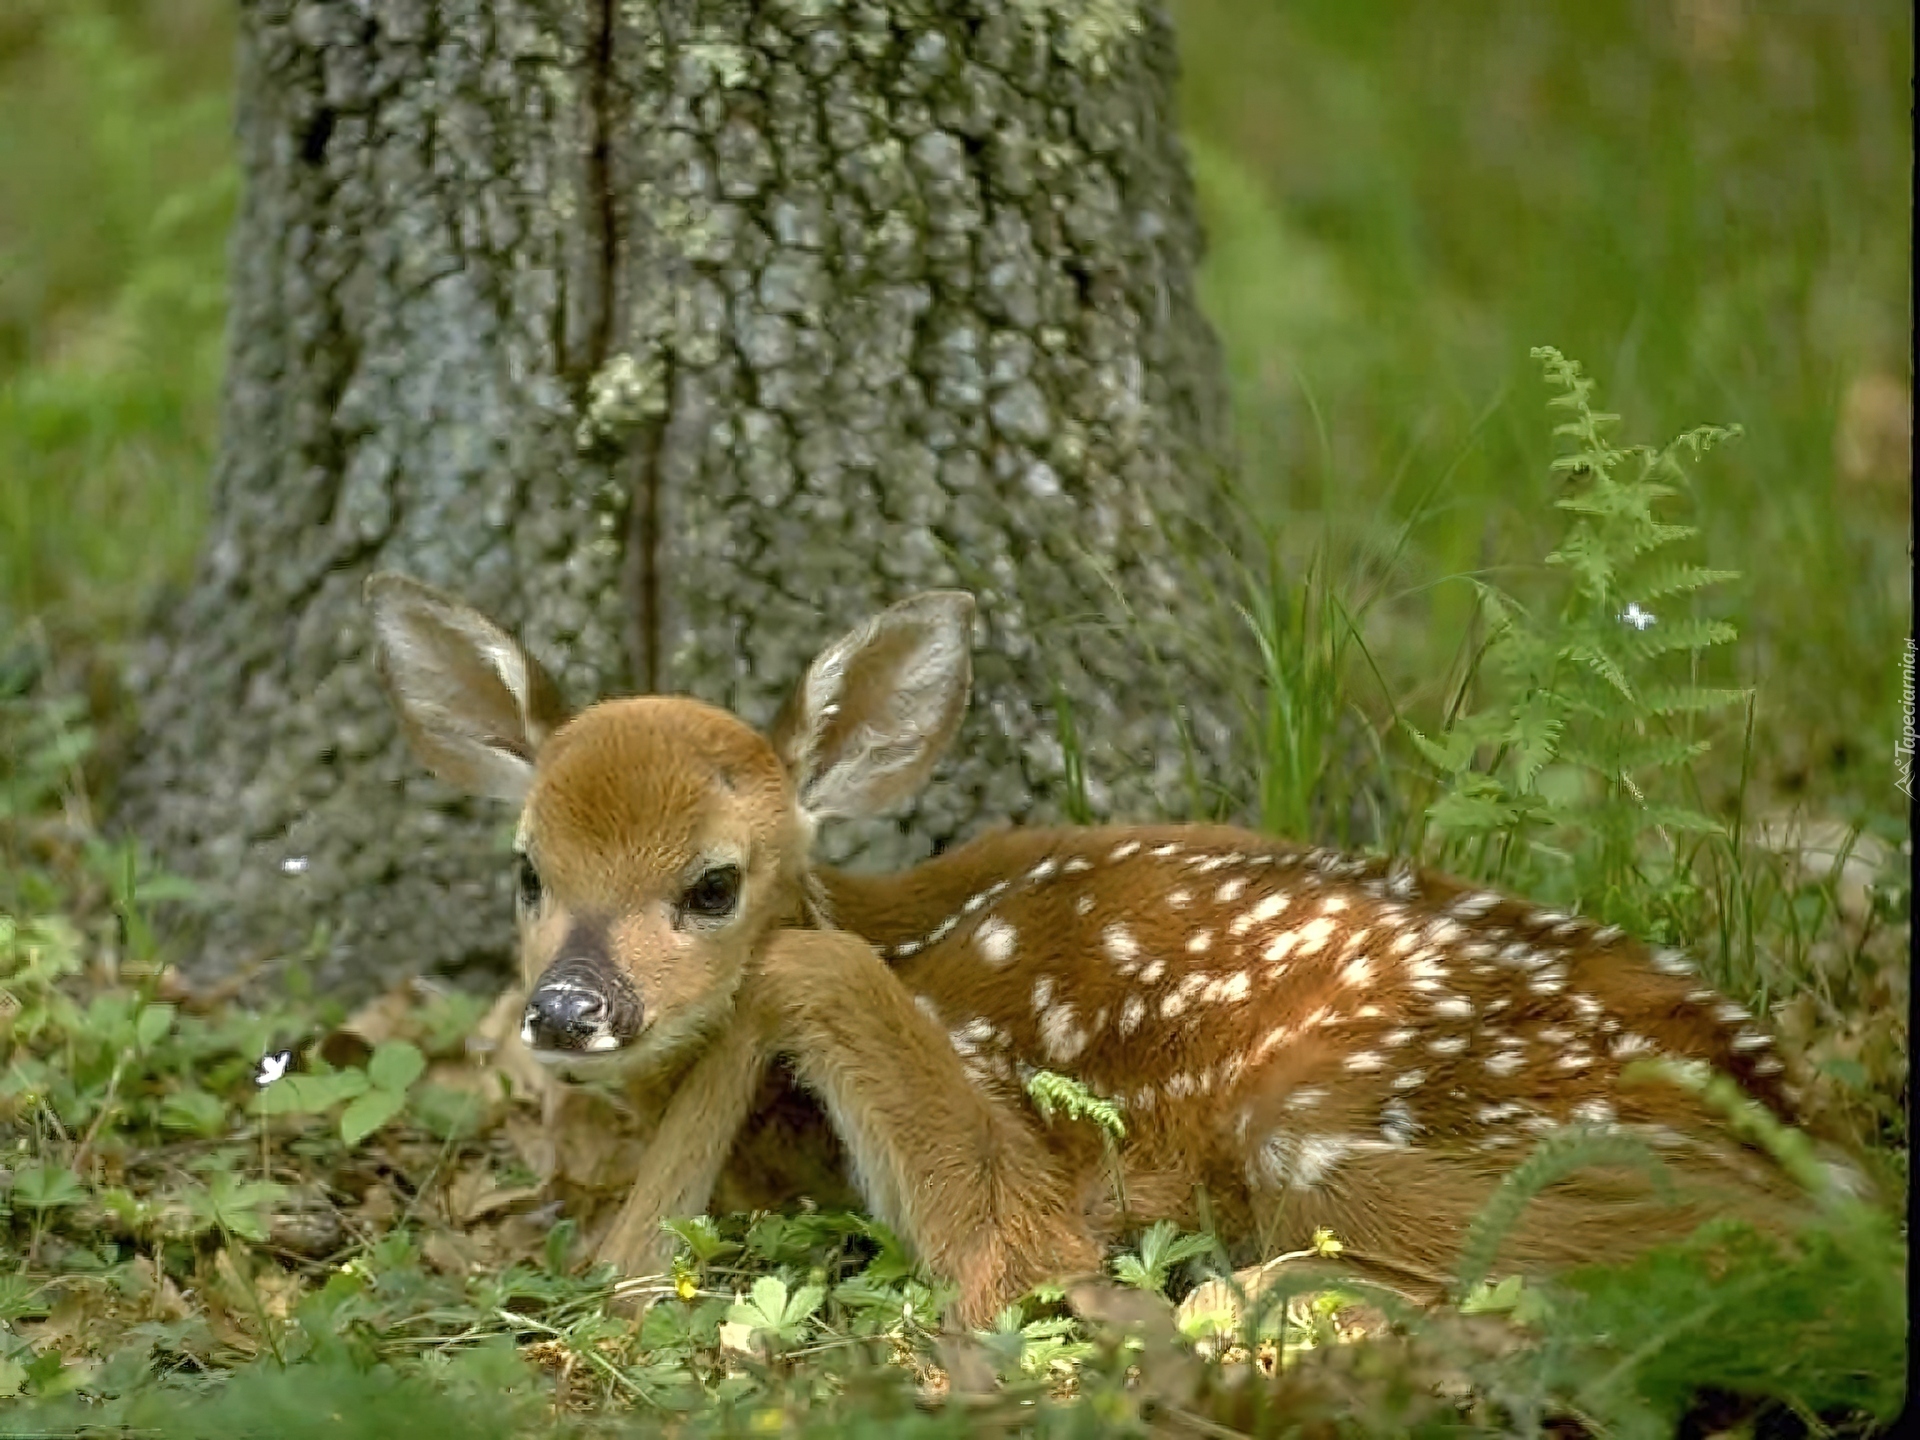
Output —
<point x="1161" y="1247"/>
<point x="1568" y="747"/>
<point x="370" y="1095"/>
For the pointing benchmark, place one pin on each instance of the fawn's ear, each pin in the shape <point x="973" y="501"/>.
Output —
<point x="877" y="707"/>
<point x="474" y="705"/>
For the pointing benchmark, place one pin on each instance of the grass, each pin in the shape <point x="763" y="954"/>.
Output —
<point x="1706" y="203"/>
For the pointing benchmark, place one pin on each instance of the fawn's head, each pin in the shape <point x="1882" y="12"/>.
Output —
<point x="660" y="838"/>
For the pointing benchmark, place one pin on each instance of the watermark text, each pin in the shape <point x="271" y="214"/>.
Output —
<point x="1903" y="747"/>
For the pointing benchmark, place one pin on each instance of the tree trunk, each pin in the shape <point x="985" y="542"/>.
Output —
<point x="677" y="336"/>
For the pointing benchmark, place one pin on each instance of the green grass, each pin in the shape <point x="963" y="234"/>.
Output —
<point x="116" y="187"/>
<point x="1405" y="199"/>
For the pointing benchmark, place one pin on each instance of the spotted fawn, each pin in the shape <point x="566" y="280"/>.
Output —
<point x="1296" y="1038"/>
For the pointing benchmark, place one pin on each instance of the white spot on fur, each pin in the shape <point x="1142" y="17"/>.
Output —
<point x="924" y="1004"/>
<point x="1410" y="1080"/>
<point x="1045" y="868"/>
<point x="1453" y="1007"/>
<point x="1198" y="942"/>
<point x="1277" y="1036"/>
<point x="1306" y="1097"/>
<point x="1233" y="989"/>
<point x="1281" y="945"/>
<point x="978" y="1032"/>
<point x="1119" y="944"/>
<point x="1472" y="907"/>
<point x="1163" y="851"/>
<point x="1179" y="899"/>
<point x="1362" y="1061"/>
<point x="1084" y="905"/>
<point x="1504" y="1062"/>
<point x="1748" y="1040"/>
<point x="995" y="939"/>
<point x="1263" y="910"/>
<point x="1124" y="849"/>
<point x="1316" y="1155"/>
<point x="1314" y="934"/>
<point x="1131" y="1014"/>
<point x="1151" y="975"/>
<point x="1060" y="1035"/>
<point x="1042" y="993"/>
<point x="1593" y="1112"/>
<point x="1397" y="1124"/>
<point x="1076" y="866"/>
<point x="1230" y="890"/>
<point x="1360" y="972"/>
<point x="1669" y="961"/>
<point x="1447" y="1044"/>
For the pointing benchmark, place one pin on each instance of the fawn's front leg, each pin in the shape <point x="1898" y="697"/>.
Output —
<point x="965" y="1181"/>
<point x="697" y="1131"/>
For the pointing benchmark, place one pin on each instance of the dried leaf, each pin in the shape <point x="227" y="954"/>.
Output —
<point x="475" y="1192"/>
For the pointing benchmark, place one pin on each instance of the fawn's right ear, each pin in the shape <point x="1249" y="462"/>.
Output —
<point x="474" y="705"/>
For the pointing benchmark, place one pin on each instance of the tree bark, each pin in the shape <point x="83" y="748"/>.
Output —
<point x="679" y="335"/>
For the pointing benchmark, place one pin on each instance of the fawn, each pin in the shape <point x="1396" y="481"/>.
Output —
<point x="1297" y="1038"/>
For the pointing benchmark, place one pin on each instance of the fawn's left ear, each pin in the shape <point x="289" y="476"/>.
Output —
<point x="863" y="729"/>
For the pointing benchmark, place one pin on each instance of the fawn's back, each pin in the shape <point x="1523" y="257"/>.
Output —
<point x="1315" y="1039"/>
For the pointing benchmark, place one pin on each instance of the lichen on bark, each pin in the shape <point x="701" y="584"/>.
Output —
<point x="678" y="336"/>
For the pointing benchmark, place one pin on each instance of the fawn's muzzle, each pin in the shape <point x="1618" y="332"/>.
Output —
<point x="581" y="1006"/>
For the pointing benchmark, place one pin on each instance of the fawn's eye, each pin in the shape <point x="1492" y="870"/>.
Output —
<point x="714" y="895"/>
<point x="529" y="884"/>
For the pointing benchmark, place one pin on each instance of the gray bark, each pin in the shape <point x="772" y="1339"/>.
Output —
<point x="678" y="335"/>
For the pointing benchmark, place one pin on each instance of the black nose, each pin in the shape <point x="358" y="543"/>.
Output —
<point x="565" y="1015"/>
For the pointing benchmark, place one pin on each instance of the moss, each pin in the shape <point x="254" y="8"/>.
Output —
<point x="1085" y="33"/>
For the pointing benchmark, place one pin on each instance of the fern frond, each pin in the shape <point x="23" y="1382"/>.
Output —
<point x="1535" y="735"/>
<point x="1686" y="633"/>
<point x="1634" y="753"/>
<point x="1679" y="819"/>
<point x="1558" y="1155"/>
<point x="1691" y="699"/>
<point x="1589" y="656"/>
<point x="1679" y="580"/>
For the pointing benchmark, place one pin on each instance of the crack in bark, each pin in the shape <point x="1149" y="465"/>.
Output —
<point x="640" y="564"/>
<point x="599" y="179"/>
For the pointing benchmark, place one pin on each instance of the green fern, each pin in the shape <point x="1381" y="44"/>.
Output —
<point x="1557" y="1156"/>
<point x="1051" y="1092"/>
<point x="1581" y="746"/>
